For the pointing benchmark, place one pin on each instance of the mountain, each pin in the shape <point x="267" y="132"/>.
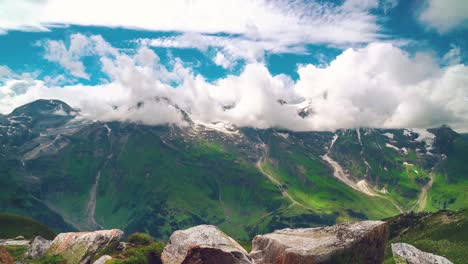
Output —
<point x="73" y="173"/>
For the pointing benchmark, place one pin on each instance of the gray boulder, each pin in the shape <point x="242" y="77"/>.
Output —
<point x="408" y="254"/>
<point x="85" y="247"/>
<point x="37" y="248"/>
<point x="103" y="259"/>
<point x="203" y="244"/>
<point x="361" y="242"/>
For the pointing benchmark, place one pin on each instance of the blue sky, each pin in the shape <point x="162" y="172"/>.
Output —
<point x="354" y="63"/>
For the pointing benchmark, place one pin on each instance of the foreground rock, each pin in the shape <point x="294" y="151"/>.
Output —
<point x="103" y="259"/>
<point x="362" y="242"/>
<point x="85" y="247"/>
<point x="203" y="244"/>
<point x="37" y="248"/>
<point x="408" y="254"/>
<point x="5" y="258"/>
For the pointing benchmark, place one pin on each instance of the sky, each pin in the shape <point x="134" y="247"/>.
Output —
<point x="250" y="63"/>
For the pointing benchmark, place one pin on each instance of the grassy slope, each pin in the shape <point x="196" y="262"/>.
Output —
<point x="387" y="169"/>
<point x="162" y="187"/>
<point x="308" y="180"/>
<point x="450" y="188"/>
<point x="12" y="226"/>
<point x="443" y="233"/>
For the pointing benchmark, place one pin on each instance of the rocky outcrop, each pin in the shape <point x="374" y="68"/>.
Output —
<point x="37" y="248"/>
<point x="408" y="254"/>
<point x="5" y="258"/>
<point x="203" y="244"/>
<point x="103" y="259"/>
<point x="14" y="242"/>
<point x="361" y="242"/>
<point x="85" y="247"/>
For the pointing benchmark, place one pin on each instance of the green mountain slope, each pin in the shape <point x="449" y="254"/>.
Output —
<point x="443" y="233"/>
<point x="12" y="226"/>
<point x="73" y="173"/>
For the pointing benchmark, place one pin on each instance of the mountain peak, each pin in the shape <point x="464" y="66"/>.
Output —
<point x="44" y="107"/>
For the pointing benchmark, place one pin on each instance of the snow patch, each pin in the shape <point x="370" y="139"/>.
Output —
<point x="283" y="135"/>
<point x="388" y="145"/>
<point x="389" y="135"/>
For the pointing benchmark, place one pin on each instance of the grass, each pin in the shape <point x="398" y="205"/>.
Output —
<point x="12" y="226"/>
<point x="442" y="233"/>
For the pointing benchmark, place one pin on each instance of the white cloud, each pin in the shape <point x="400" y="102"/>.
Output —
<point x="453" y="56"/>
<point x="297" y="21"/>
<point x="233" y="48"/>
<point x="80" y="45"/>
<point x="5" y="72"/>
<point x="445" y="15"/>
<point x="221" y="60"/>
<point x="375" y="86"/>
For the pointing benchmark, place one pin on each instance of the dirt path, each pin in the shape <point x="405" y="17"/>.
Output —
<point x="283" y="191"/>
<point x="422" y="200"/>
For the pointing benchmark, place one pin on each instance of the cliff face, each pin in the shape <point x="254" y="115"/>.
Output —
<point x="362" y="242"/>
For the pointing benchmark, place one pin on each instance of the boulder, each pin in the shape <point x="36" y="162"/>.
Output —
<point x="5" y="257"/>
<point x="408" y="254"/>
<point x="203" y="244"/>
<point x="103" y="259"/>
<point x="85" y="247"/>
<point x="37" y="248"/>
<point x="14" y="242"/>
<point x="361" y="242"/>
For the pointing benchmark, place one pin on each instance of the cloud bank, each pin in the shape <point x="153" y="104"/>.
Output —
<point x="297" y="21"/>
<point x="378" y="85"/>
<point x="445" y="15"/>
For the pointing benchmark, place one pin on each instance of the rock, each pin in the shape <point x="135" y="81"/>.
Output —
<point x="361" y="242"/>
<point x="204" y="244"/>
<point x="103" y="259"/>
<point x="408" y="254"/>
<point x="85" y="247"/>
<point x="19" y="238"/>
<point x="13" y="242"/>
<point x="5" y="257"/>
<point x="37" y="248"/>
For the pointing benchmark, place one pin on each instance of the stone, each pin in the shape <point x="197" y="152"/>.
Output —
<point x="5" y="257"/>
<point x="19" y="238"/>
<point x="407" y="254"/>
<point x="103" y="259"/>
<point x="203" y="244"/>
<point x="37" y="248"/>
<point x="13" y="242"/>
<point x="361" y="242"/>
<point x="85" y="247"/>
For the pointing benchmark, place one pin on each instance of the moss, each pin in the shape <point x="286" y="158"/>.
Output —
<point x="140" y="239"/>
<point x="148" y="254"/>
<point x="16" y="252"/>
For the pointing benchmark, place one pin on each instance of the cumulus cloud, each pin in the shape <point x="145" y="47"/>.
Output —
<point x="375" y="86"/>
<point x="80" y="46"/>
<point x="445" y="15"/>
<point x="297" y="20"/>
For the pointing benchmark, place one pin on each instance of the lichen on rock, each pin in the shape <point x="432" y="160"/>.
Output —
<point x="361" y="242"/>
<point x="85" y="247"/>
<point x="203" y="244"/>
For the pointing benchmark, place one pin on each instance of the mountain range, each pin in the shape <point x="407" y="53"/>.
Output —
<point x="74" y="173"/>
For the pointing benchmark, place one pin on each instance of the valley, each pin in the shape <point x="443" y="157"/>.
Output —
<point x="95" y="175"/>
